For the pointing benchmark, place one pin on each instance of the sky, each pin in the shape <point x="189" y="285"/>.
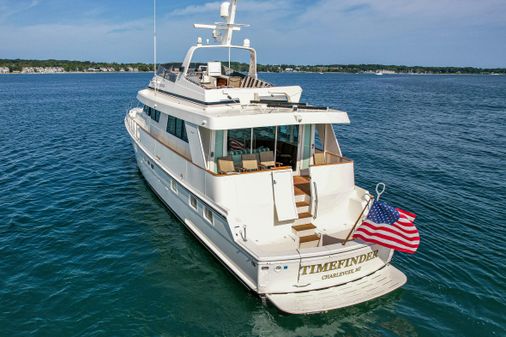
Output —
<point x="402" y="32"/>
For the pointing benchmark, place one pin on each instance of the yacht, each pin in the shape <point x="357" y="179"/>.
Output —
<point x="259" y="178"/>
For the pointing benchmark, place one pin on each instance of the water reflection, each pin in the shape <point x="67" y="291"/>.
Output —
<point x="373" y="318"/>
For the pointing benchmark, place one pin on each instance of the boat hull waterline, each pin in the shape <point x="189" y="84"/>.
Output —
<point x="316" y="283"/>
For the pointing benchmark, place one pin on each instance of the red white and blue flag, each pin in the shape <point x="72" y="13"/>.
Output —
<point x="389" y="227"/>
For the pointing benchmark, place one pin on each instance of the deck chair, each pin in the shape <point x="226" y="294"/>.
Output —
<point x="267" y="159"/>
<point x="319" y="158"/>
<point x="226" y="165"/>
<point x="234" y="82"/>
<point x="249" y="162"/>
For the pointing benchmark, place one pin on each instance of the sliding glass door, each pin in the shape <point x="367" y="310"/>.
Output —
<point x="283" y="141"/>
<point x="287" y="145"/>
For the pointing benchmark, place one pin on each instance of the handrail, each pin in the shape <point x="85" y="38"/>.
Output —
<point x="315" y="200"/>
<point x="371" y="197"/>
<point x="162" y="142"/>
<point x="336" y="155"/>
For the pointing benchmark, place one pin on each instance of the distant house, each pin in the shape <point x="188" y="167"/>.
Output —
<point x="4" y="70"/>
<point x="42" y="70"/>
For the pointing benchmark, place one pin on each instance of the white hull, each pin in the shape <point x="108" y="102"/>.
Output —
<point x="296" y="284"/>
<point x="216" y="239"/>
<point x="259" y="178"/>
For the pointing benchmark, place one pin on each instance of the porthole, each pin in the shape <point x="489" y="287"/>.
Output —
<point x="208" y="214"/>
<point x="173" y="186"/>
<point x="193" y="202"/>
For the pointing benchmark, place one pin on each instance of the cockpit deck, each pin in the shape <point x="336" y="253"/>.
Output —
<point x="288" y="246"/>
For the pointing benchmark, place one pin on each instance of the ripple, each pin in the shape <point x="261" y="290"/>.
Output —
<point x="88" y="250"/>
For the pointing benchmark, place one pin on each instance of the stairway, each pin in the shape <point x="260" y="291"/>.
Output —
<point x="303" y="228"/>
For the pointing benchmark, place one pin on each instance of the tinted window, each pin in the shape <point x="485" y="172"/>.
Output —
<point x="171" y="125"/>
<point x="183" y="133"/>
<point x="239" y="141"/>
<point x="176" y="127"/>
<point x="147" y="110"/>
<point x="179" y="128"/>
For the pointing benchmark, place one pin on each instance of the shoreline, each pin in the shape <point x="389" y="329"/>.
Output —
<point x="80" y="72"/>
<point x="263" y="72"/>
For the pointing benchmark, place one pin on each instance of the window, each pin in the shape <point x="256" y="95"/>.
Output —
<point x="239" y="141"/>
<point x="147" y="110"/>
<point x="177" y="128"/>
<point x="208" y="214"/>
<point x="185" y="136"/>
<point x="256" y="140"/>
<point x="155" y="115"/>
<point x="193" y="202"/>
<point x="287" y="144"/>
<point x="319" y="137"/>
<point x="173" y="186"/>
<point x="171" y="125"/>
<point x="263" y="139"/>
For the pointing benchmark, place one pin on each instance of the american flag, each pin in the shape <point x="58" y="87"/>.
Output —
<point x="390" y="227"/>
<point x="235" y="144"/>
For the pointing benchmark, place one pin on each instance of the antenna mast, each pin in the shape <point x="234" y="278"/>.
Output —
<point x="222" y="31"/>
<point x="154" y="37"/>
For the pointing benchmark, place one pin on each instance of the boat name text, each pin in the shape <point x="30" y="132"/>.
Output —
<point x="344" y="263"/>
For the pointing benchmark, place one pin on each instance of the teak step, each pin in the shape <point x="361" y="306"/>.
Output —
<point x="305" y="227"/>
<point x="308" y="238"/>
<point x="302" y="206"/>
<point x="303" y="221"/>
<point x="304" y="215"/>
<point x="297" y="180"/>
<point x="303" y="230"/>
<point x="298" y="191"/>
<point x="309" y="241"/>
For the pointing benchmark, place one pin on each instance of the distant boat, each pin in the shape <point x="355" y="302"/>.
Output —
<point x="320" y="73"/>
<point x="379" y="73"/>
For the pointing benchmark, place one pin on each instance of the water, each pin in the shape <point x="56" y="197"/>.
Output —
<point x="86" y="249"/>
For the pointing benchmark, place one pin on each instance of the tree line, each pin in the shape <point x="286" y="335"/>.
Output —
<point x="16" y="65"/>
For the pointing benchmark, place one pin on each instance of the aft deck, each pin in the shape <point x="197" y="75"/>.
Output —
<point x="287" y="247"/>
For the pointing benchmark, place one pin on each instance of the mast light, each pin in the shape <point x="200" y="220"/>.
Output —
<point x="222" y="31"/>
<point x="225" y="9"/>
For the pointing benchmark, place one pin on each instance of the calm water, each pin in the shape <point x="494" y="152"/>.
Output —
<point x="86" y="249"/>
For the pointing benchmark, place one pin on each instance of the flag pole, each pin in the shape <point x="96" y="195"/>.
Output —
<point x="371" y="197"/>
<point x="380" y="189"/>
